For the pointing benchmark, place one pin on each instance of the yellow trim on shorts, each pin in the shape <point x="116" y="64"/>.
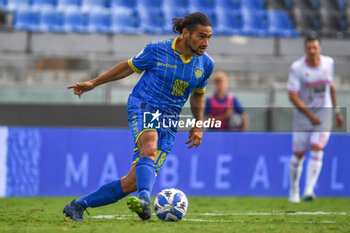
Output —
<point x="133" y="67"/>
<point x="200" y="91"/>
<point x="137" y="138"/>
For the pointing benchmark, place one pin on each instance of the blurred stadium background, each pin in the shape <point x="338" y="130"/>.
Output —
<point x="46" y="45"/>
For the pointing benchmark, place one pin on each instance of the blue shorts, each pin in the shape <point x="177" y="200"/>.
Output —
<point x="166" y="136"/>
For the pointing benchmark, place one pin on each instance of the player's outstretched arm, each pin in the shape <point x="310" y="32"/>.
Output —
<point x="117" y="72"/>
<point x="197" y="108"/>
<point x="294" y="98"/>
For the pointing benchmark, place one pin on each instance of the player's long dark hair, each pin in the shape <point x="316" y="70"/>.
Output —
<point x="190" y="21"/>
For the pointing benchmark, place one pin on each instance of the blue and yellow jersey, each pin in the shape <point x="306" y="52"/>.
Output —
<point x="168" y="77"/>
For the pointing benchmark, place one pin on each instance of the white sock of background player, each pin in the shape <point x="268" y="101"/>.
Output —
<point x="295" y="169"/>
<point x="313" y="171"/>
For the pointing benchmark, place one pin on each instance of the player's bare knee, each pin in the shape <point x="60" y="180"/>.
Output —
<point x="300" y="154"/>
<point x="316" y="148"/>
<point x="149" y="150"/>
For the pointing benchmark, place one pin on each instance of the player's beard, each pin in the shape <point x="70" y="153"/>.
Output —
<point x="192" y="50"/>
<point x="313" y="58"/>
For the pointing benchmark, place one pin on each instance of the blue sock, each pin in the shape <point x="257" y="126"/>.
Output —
<point x="106" y="194"/>
<point x="145" y="177"/>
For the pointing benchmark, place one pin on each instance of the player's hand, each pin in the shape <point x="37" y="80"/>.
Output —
<point x="229" y="113"/>
<point x="314" y="120"/>
<point x="339" y="119"/>
<point x="80" y="88"/>
<point x="195" y="137"/>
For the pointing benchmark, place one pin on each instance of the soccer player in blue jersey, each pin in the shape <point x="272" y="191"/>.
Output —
<point x="173" y="70"/>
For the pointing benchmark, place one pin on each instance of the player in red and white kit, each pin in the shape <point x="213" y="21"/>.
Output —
<point x="311" y="90"/>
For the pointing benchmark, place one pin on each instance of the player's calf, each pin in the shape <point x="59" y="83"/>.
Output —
<point x="295" y="170"/>
<point x="313" y="172"/>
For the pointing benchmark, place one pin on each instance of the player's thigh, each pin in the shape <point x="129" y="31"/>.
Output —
<point x="145" y="139"/>
<point x="319" y="140"/>
<point x="301" y="142"/>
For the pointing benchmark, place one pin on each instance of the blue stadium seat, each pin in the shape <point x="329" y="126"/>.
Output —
<point x="183" y="4"/>
<point x="255" y="23"/>
<point x="306" y="22"/>
<point x="201" y="4"/>
<point x="331" y="5"/>
<point x="289" y="4"/>
<point x="50" y="20"/>
<point x="280" y="24"/>
<point x="74" y="20"/>
<point x="253" y="4"/>
<point x="124" y="20"/>
<point x="342" y="4"/>
<point x="12" y="5"/>
<point x="229" y="22"/>
<point x="64" y="4"/>
<point x="26" y="19"/>
<point x="121" y="3"/>
<point x="333" y="24"/>
<point x="2" y="4"/>
<point x="43" y="3"/>
<point x="149" y="3"/>
<point x="151" y="20"/>
<point x="99" y="21"/>
<point x="229" y="4"/>
<point x="88" y="5"/>
<point x="169" y="15"/>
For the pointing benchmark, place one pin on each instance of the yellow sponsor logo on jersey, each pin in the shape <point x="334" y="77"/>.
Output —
<point x="179" y="87"/>
<point x="166" y="65"/>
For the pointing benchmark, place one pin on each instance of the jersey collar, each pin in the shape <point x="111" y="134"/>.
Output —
<point x="221" y="100"/>
<point x="173" y="46"/>
<point x="314" y="67"/>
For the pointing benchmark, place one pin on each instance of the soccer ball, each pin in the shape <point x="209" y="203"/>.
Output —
<point x="171" y="205"/>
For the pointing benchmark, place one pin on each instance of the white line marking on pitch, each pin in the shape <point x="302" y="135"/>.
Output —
<point x="241" y="221"/>
<point x="274" y="213"/>
<point x="126" y="217"/>
<point x="210" y="220"/>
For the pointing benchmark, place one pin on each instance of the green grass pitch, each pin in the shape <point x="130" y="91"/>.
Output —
<point x="229" y="214"/>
